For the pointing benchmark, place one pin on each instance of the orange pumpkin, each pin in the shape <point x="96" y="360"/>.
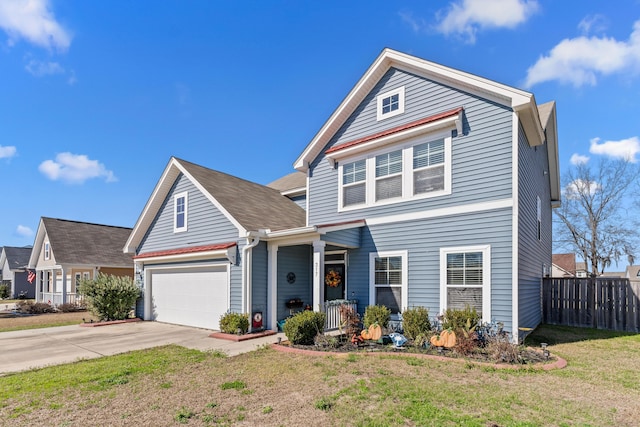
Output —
<point x="375" y="332"/>
<point x="365" y="334"/>
<point x="447" y="339"/>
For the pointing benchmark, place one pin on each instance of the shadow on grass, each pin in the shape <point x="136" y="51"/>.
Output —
<point x="557" y="334"/>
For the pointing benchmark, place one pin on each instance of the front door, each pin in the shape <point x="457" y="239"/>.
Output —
<point x="334" y="277"/>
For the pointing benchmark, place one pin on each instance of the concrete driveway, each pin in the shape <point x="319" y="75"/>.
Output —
<point x="35" y="348"/>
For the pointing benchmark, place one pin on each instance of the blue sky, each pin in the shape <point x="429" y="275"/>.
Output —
<point x="95" y="97"/>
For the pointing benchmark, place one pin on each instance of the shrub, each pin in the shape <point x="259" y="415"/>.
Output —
<point x="376" y="314"/>
<point x="415" y="322"/>
<point x="460" y="319"/>
<point x="304" y="326"/>
<point x="69" y="307"/>
<point x="110" y="297"/>
<point x="31" y="307"/>
<point x="230" y="323"/>
<point x="4" y="291"/>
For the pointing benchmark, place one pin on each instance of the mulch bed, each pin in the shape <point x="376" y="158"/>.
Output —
<point x="109" y="322"/>
<point x="531" y="358"/>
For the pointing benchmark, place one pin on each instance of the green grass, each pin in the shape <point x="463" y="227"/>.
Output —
<point x="600" y="387"/>
<point x="39" y="326"/>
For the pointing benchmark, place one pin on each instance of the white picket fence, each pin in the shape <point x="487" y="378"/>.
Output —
<point x="332" y="311"/>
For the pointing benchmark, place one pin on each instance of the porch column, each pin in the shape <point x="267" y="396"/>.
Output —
<point x="38" y="286"/>
<point x="63" y="271"/>
<point x="318" y="275"/>
<point x="272" y="285"/>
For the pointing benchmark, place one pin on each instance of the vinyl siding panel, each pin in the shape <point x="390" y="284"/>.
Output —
<point x="423" y="240"/>
<point x="533" y="254"/>
<point x="343" y="238"/>
<point x="300" y="201"/>
<point x="481" y="155"/>
<point x="205" y="224"/>
<point x="297" y="260"/>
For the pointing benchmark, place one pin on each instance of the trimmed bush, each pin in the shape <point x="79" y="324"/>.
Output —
<point x="4" y="291"/>
<point x="376" y="314"/>
<point x="303" y="327"/>
<point x="467" y="319"/>
<point x="415" y="322"/>
<point x="31" y="307"/>
<point x="230" y="323"/>
<point x="110" y="297"/>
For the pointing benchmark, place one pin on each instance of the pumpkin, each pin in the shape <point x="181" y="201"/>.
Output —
<point x="365" y="334"/>
<point x="375" y="332"/>
<point x="447" y="339"/>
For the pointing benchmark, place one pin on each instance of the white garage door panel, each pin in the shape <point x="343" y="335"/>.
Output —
<point x="190" y="297"/>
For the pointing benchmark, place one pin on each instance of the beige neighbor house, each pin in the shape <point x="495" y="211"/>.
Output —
<point x="65" y="251"/>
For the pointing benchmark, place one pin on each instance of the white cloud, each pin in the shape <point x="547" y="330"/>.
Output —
<point x="33" y="20"/>
<point x="39" y="68"/>
<point x="593" y="24"/>
<point x="75" y="169"/>
<point x="625" y="149"/>
<point x="579" y="159"/>
<point x="416" y="24"/>
<point x="578" y="61"/>
<point x="467" y="17"/>
<point x="7" y="151"/>
<point x="24" y="231"/>
<point x="579" y="186"/>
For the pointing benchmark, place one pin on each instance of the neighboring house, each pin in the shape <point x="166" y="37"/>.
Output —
<point x="13" y="271"/>
<point x="581" y="269"/>
<point x="632" y="273"/>
<point x="563" y="265"/>
<point x="427" y="187"/>
<point x="64" y="252"/>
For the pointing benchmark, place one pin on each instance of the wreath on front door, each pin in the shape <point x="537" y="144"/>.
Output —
<point x="332" y="279"/>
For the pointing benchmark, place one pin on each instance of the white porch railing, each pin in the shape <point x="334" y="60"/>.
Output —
<point x="55" y="298"/>
<point x="332" y="311"/>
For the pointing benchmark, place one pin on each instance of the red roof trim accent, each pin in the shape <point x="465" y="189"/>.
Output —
<point x="397" y="129"/>
<point x="189" y="250"/>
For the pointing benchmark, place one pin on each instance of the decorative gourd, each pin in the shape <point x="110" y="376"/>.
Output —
<point x="375" y="332"/>
<point x="447" y="339"/>
<point x="365" y="334"/>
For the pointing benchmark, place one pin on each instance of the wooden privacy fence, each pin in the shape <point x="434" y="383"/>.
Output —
<point x="593" y="303"/>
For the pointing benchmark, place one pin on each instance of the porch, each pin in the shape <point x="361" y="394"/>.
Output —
<point x="58" y="286"/>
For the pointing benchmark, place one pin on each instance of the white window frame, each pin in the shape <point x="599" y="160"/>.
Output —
<point x="344" y="186"/>
<point x="47" y="251"/>
<point x="86" y="275"/>
<point x="407" y="172"/>
<point x="486" y="276"/>
<point x="184" y="195"/>
<point x="380" y="99"/>
<point x="404" y="287"/>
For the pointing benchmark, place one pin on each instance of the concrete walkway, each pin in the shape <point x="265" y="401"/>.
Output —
<point x="36" y="348"/>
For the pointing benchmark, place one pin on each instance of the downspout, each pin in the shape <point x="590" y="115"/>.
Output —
<point x="253" y="238"/>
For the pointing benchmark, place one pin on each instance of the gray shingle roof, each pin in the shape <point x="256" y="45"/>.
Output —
<point x="74" y="242"/>
<point x="253" y="205"/>
<point x="292" y="181"/>
<point x="17" y="258"/>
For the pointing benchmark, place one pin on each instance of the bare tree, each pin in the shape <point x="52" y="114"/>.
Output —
<point x="593" y="219"/>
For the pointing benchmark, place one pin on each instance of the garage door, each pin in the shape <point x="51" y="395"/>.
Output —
<point x="191" y="297"/>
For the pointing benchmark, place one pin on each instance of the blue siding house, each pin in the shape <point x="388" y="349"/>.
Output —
<point x="427" y="186"/>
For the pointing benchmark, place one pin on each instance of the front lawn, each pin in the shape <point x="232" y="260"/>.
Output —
<point x="174" y="386"/>
<point x="12" y="322"/>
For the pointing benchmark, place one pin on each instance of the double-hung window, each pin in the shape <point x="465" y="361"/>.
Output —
<point x="389" y="175"/>
<point x="419" y="168"/>
<point x="388" y="280"/>
<point x="180" y="212"/>
<point x="428" y="167"/>
<point x="465" y="276"/>
<point x="354" y="185"/>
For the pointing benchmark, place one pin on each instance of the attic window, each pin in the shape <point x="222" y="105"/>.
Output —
<point x="47" y="251"/>
<point x="180" y="212"/>
<point x="390" y="103"/>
